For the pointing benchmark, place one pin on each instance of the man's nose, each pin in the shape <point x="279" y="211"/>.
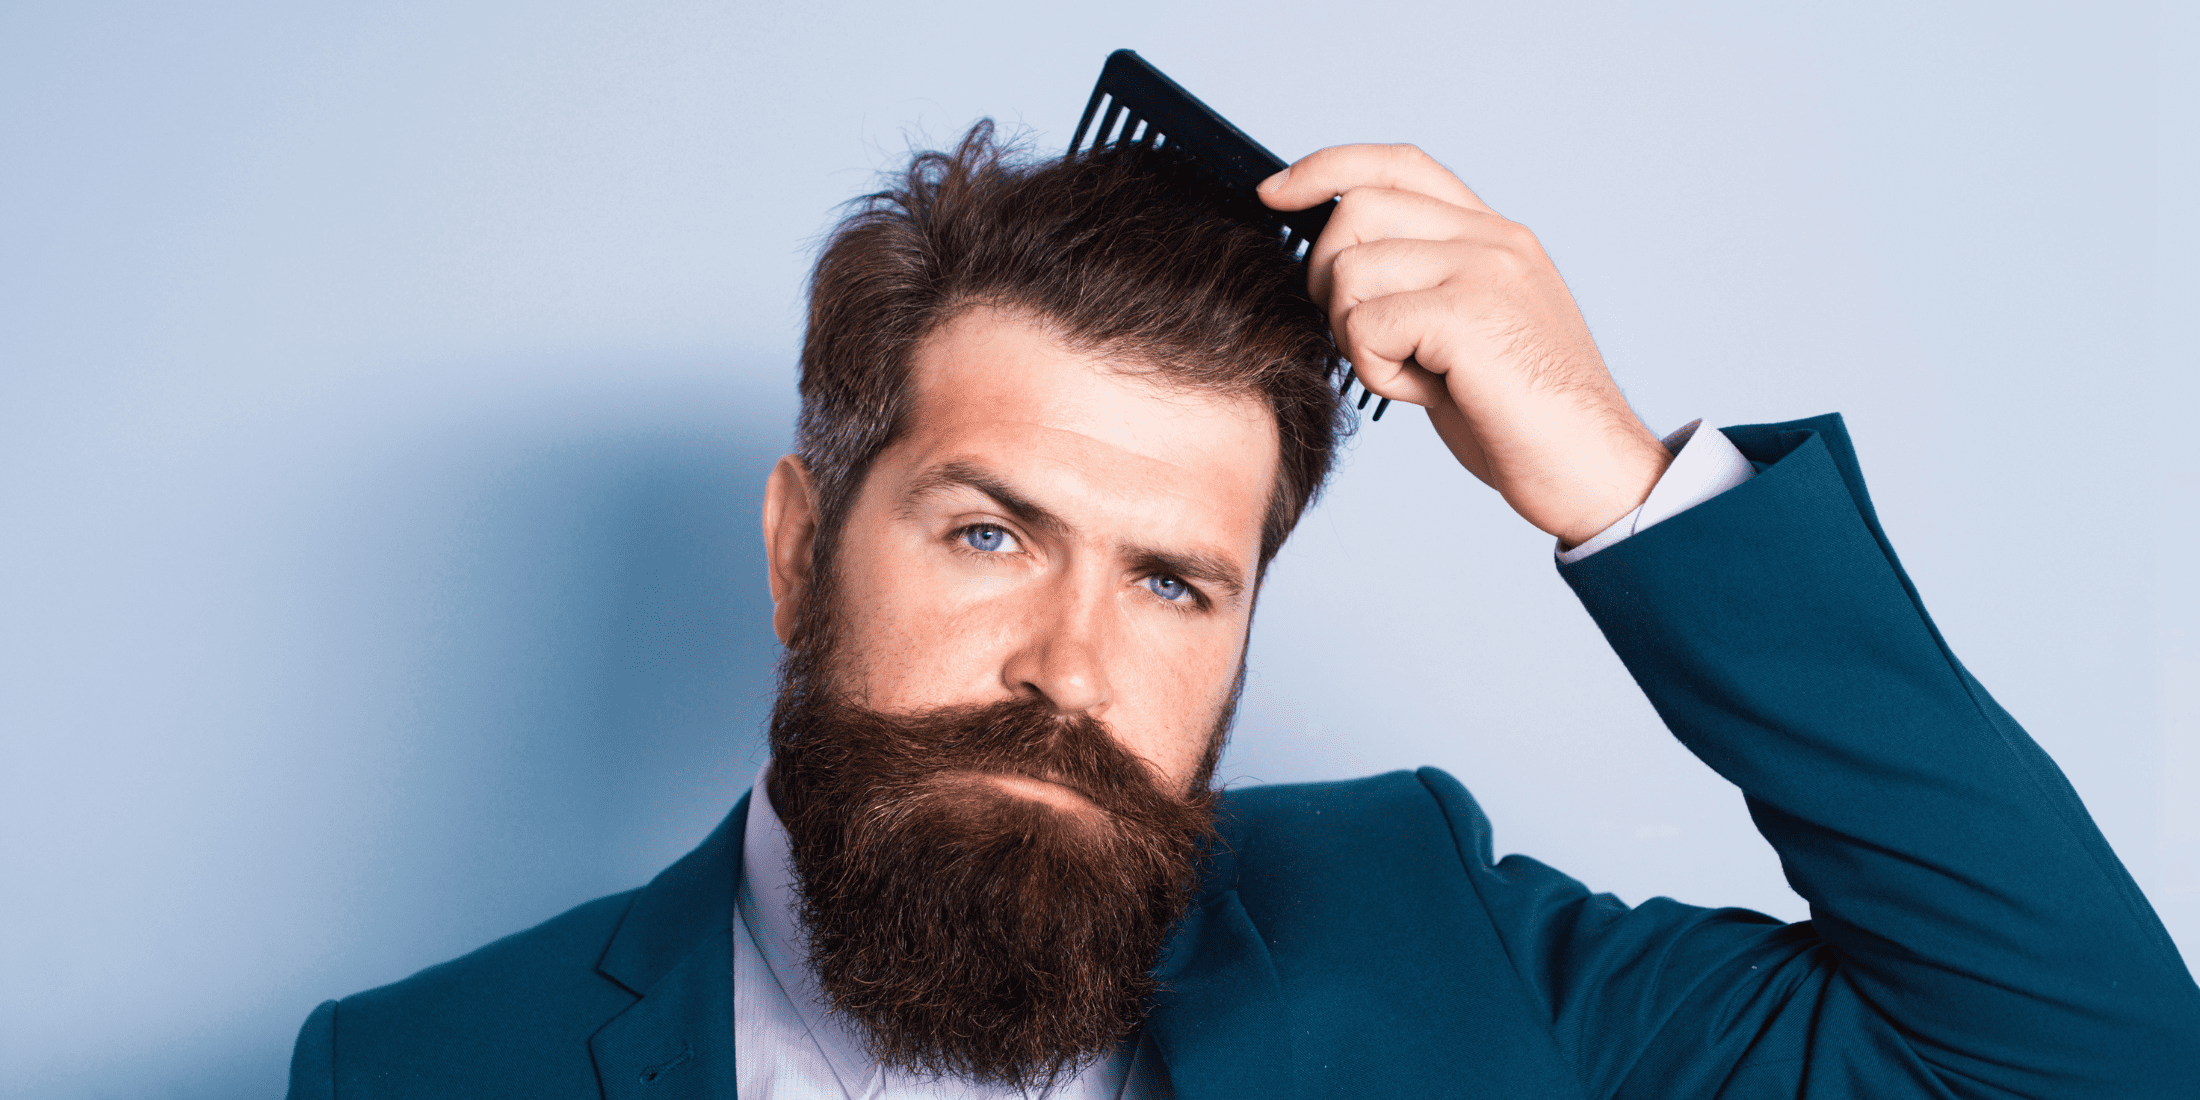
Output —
<point x="1062" y="656"/>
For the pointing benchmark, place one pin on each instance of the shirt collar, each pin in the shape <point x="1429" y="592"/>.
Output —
<point x="770" y="904"/>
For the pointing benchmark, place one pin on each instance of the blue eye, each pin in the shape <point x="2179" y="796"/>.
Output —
<point x="986" y="537"/>
<point x="1167" y="587"/>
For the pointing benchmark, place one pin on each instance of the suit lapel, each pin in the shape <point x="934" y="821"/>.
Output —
<point x="678" y="1040"/>
<point x="1220" y="1019"/>
<point x="674" y="950"/>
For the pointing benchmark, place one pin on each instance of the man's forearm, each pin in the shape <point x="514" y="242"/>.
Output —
<point x="1961" y="887"/>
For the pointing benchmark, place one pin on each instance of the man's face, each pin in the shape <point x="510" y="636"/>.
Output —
<point x="989" y="748"/>
<point x="1053" y="525"/>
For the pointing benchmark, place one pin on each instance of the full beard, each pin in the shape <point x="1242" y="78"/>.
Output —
<point x="968" y="931"/>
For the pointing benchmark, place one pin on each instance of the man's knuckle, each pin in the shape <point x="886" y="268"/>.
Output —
<point x="1349" y="266"/>
<point x="1519" y="238"/>
<point x="1513" y="250"/>
<point x="1354" y="328"/>
<point x="1506" y="261"/>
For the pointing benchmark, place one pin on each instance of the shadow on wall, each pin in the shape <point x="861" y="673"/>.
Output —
<point x="595" y="620"/>
<point x="689" y="657"/>
<point x="451" y="672"/>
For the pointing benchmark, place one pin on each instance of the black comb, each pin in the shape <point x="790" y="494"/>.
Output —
<point x="1135" y="104"/>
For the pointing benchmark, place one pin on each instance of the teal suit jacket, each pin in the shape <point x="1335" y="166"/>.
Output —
<point x="1972" y="935"/>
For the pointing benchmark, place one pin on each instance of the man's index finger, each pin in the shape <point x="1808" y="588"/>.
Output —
<point x="1327" y="173"/>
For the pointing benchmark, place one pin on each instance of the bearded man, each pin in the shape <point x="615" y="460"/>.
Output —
<point x="1057" y="420"/>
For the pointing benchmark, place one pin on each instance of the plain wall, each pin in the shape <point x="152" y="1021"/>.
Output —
<point x="386" y="393"/>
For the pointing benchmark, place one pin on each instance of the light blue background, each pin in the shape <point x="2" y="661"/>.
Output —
<point x="385" y="394"/>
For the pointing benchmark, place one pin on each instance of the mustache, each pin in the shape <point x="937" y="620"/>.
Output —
<point x="908" y="753"/>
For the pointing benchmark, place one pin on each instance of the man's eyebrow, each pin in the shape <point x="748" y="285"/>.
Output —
<point x="1190" y="565"/>
<point x="965" y="475"/>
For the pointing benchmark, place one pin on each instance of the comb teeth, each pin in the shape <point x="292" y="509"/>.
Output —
<point x="1120" y="124"/>
<point x="1110" y="113"/>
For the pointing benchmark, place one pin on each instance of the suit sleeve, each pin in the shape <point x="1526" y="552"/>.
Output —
<point x="313" y="1060"/>
<point x="1972" y="935"/>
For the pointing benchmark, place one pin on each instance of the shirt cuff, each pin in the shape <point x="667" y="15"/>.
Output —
<point x="1705" y="464"/>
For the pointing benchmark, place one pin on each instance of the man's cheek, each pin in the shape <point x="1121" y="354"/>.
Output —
<point x="1172" y="700"/>
<point x="912" y="658"/>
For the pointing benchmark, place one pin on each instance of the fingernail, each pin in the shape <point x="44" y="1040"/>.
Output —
<point x="1275" y="181"/>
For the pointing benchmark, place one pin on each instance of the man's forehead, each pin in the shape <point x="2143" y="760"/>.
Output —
<point x="996" y="377"/>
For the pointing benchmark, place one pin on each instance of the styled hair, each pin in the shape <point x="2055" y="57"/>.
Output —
<point x="1126" y="252"/>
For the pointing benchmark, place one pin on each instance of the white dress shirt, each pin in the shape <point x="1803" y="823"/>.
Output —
<point x="789" y="1044"/>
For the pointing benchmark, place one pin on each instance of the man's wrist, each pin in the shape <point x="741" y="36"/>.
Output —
<point x="1629" y="479"/>
<point x="1705" y="464"/>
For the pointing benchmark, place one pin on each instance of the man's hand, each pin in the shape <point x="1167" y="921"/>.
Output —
<point x="1440" y="302"/>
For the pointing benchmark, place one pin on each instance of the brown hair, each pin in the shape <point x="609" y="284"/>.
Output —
<point x="1125" y="251"/>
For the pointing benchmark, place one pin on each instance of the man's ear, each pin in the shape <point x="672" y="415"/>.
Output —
<point x="790" y="529"/>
